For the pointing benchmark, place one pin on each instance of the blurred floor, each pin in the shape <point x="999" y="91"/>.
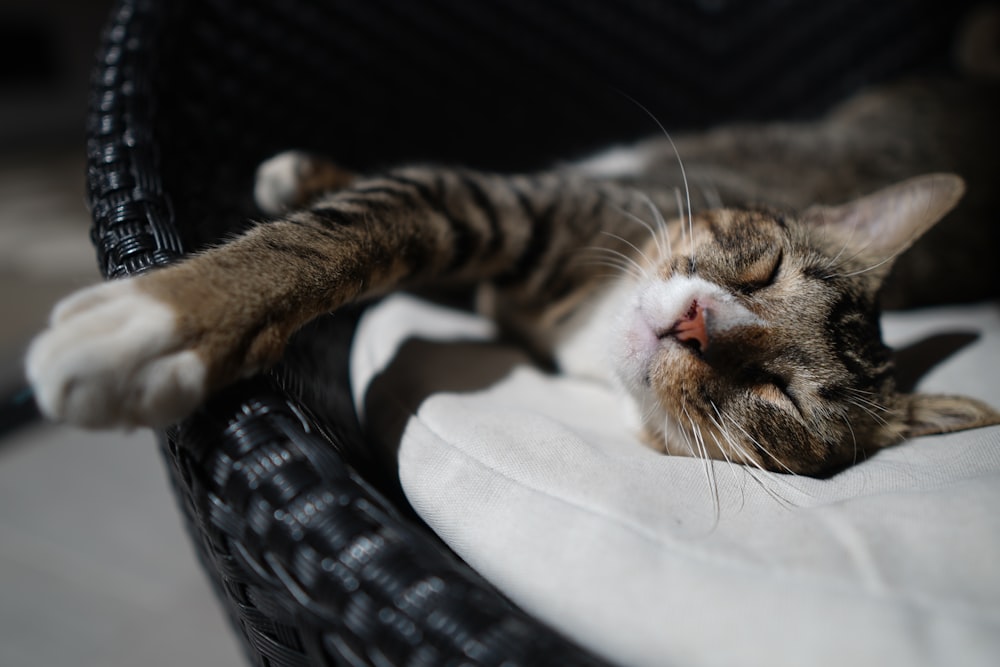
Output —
<point x="95" y="568"/>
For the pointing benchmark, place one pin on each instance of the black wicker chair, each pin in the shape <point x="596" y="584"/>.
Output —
<point x="311" y="546"/>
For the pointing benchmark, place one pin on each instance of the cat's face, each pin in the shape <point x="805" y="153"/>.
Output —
<point x="755" y="338"/>
<point x="745" y="344"/>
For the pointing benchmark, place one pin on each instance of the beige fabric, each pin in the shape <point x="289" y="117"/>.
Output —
<point x="532" y="479"/>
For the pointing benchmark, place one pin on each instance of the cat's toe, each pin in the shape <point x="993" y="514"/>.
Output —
<point x="113" y="357"/>
<point x="278" y="185"/>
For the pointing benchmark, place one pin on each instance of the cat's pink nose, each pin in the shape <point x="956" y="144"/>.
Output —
<point x="691" y="329"/>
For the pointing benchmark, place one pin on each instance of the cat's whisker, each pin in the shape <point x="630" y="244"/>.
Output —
<point x="854" y="438"/>
<point x="686" y="227"/>
<point x="684" y="434"/>
<point x="731" y="466"/>
<point x="872" y="413"/>
<point x="689" y="219"/>
<point x="660" y="235"/>
<point x="847" y="243"/>
<point x="891" y="257"/>
<point x="734" y="447"/>
<point x="618" y="258"/>
<point x="656" y="230"/>
<point x="859" y="272"/>
<point x="677" y="155"/>
<point x="753" y="468"/>
<point x="638" y="251"/>
<point x="707" y="465"/>
<point x="785" y="480"/>
<point x="861" y="395"/>
<point x="761" y="447"/>
<point x="619" y="265"/>
<point x="680" y="206"/>
<point x="649" y="418"/>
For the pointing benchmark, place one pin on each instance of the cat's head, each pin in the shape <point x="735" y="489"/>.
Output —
<point x="756" y="336"/>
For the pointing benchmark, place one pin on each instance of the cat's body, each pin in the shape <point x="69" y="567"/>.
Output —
<point x="748" y="333"/>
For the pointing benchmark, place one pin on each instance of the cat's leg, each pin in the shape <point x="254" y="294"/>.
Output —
<point x="293" y="179"/>
<point x="146" y="350"/>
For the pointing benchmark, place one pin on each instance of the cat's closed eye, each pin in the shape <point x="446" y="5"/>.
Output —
<point x="762" y="273"/>
<point x="777" y="394"/>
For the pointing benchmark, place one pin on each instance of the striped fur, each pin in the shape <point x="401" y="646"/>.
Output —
<point x="749" y="334"/>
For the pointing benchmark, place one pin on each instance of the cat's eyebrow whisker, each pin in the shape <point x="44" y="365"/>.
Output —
<point x="680" y="206"/>
<point x="677" y="154"/>
<point x="661" y="228"/>
<point x="654" y="231"/>
<point x="680" y="213"/>
<point x="687" y="226"/>
<point x="847" y="242"/>
<point x="890" y="258"/>
<point x="680" y="164"/>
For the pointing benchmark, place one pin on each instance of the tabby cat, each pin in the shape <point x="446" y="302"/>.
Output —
<point x="747" y="333"/>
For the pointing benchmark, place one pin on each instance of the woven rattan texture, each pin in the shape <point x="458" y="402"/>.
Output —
<point x="133" y="227"/>
<point x="315" y="555"/>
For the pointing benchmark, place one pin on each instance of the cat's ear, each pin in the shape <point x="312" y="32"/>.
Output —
<point x="883" y="224"/>
<point x="930" y="414"/>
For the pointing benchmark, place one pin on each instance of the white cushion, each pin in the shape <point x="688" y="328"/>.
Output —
<point x="535" y="482"/>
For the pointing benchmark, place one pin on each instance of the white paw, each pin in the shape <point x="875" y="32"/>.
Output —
<point x="279" y="180"/>
<point x="113" y="357"/>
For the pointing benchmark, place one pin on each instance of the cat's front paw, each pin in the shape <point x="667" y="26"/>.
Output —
<point x="113" y="356"/>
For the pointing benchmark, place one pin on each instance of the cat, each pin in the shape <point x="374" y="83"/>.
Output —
<point x="742" y="333"/>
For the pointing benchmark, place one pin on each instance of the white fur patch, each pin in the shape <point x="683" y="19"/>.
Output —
<point x="616" y="162"/>
<point x="654" y="307"/>
<point x="277" y="182"/>
<point x="663" y="302"/>
<point x="112" y="357"/>
<point x="583" y="346"/>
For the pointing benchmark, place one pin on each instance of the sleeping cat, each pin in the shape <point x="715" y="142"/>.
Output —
<point x="744" y="333"/>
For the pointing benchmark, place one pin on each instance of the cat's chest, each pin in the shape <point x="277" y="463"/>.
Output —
<point x="585" y="346"/>
<point x="584" y="343"/>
